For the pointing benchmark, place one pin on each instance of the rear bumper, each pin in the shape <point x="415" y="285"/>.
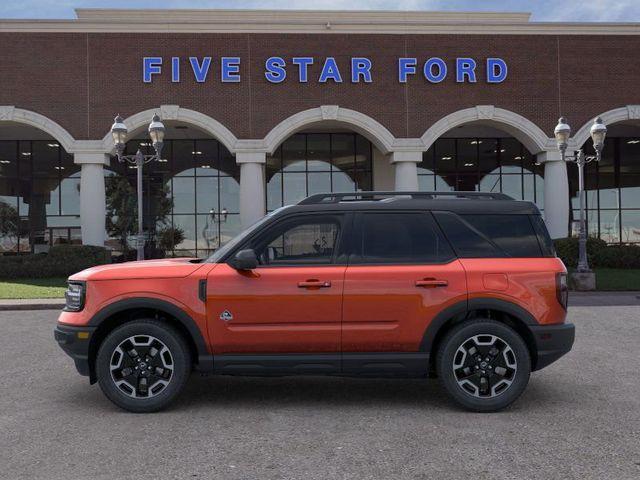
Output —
<point x="552" y="342"/>
<point x="75" y="343"/>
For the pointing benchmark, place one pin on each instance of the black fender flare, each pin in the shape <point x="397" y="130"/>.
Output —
<point x="461" y="309"/>
<point x="204" y="357"/>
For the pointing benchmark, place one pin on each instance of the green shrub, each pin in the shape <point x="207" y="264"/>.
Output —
<point x="61" y="261"/>
<point x="567" y="249"/>
<point x="618" y="256"/>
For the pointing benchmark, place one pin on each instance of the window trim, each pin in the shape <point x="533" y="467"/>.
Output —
<point x="355" y="257"/>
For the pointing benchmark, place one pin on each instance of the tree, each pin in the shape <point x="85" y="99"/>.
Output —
<point x="9" y="221"/>
<point x="122" y="210"/>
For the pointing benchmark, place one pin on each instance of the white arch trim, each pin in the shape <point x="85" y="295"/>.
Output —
<point x="531" y="136"/>
<point x="382" y="138"/>
<point x="177" y="113"/>
<point x="9" y="113"/>
<point x="629" y="112"/>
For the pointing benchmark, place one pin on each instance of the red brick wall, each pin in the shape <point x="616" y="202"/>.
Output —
<point x="82" y="80"/>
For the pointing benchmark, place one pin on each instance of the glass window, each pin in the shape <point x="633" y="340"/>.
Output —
<point x="402" y="238"/>
<point x="308" y="163"/>
<point x="301" y="242"/>
<point x="514" y="234"/>
<point x="467" y="241"/>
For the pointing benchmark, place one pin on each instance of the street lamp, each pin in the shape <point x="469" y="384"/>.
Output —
<point x="562" y="133"/>
<point x="119" y="133"/>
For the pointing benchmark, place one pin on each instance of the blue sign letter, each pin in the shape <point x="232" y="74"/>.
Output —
<point x="406" y="66"/>
<point x="360" y="66"/>
<point x="275" y="69"/>
<point x="150" y="66"/>
<point x="428" y="70"/>
<point x="200" y="71"/>
<point x="465" y="67"/>
<point x="230" y="69"/>
<point x="496" y="70"/>
<point x="303" y="66"/>
<point x="330" y="71"/>
<point x="175" y="69"/>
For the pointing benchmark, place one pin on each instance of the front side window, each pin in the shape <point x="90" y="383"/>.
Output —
<point x="304" y="241"/>
<point x="395" y="237"/>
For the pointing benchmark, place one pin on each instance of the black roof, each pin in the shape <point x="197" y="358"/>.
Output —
<point x="457" y="202"/>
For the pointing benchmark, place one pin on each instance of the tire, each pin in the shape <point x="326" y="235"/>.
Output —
<point x="148" y="346"/>
<point x="461" y="369"/>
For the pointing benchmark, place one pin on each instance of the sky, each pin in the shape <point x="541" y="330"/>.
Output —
<point x="542" y="10"/>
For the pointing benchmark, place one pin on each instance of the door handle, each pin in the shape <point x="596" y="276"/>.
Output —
<point x="431" y="283"/>
<point x="314" y="284"/>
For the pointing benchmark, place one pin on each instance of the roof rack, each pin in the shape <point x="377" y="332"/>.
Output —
<point x="371" y="196"/>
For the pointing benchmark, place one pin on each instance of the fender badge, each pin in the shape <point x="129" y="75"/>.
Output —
<point x="226" y="316"/>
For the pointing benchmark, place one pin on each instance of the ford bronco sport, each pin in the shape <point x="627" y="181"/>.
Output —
<point x="462" y="286"/>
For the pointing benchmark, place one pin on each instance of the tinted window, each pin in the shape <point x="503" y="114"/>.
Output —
<point x="546" y="244"/>
<point x="401" y="238"/>
<point x="300" y="242"/>
<point x="467" y="241"/>
<point x="514" y="234"/>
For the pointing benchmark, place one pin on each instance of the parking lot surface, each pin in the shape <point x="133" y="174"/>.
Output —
<point x="579" y="418"/>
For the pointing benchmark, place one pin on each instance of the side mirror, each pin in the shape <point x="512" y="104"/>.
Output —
<point x="244" y="260"/>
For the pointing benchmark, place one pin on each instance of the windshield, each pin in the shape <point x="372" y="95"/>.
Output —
<point x="238" y="239"/>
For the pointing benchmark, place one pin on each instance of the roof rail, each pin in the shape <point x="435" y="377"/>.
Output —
<point x="361" y="196"/>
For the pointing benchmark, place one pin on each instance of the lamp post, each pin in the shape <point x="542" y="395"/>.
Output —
<point x="119" y="133"/>
<point x="562" y="133"/>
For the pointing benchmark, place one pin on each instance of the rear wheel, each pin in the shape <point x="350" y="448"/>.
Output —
<point x="143" y="365"/>
<point x="484" y="365"/>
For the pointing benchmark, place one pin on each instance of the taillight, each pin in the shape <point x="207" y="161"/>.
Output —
<point x="562" y="289"/>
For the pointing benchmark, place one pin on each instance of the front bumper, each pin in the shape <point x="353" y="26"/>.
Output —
<point x="75" y="343"/>
<point x="552" y="342"/>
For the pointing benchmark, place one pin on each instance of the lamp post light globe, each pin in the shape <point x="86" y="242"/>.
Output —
<point x="119" y="133"/>
<point x="156" y="132"/>
<point x="562" y="133"/>
<point x="598" y="133"/>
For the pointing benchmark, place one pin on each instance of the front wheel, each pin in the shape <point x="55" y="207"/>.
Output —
<point x="484" y="365"/>
<point x="143" y="365"/>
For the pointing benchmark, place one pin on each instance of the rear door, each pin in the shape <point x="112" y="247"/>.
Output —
<point x="402" y="272"/>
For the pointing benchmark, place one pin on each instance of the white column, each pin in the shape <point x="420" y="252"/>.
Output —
<point x="92" y="197"/>
<point x="556" y="194"/>
<point x="406" y="166"/>
<point x="252" y="188"/>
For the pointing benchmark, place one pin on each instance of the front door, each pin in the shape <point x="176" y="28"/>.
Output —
<point x="291" y="303"/>
<point x="401" y="274"/>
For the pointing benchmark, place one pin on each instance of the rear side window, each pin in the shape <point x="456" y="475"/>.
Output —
<point x="467" y="241"/>
<point x="546" y="244"/>
<point x="483" y="236"/>
<point x="514" y="234"/>
<point x="409" y="238"/>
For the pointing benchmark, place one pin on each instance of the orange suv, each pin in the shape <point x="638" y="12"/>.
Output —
<point x="462" y="286"/>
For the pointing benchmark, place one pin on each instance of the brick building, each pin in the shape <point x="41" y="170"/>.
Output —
<point x="265" y="107"/>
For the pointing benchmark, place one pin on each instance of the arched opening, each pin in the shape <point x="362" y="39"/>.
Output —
<point x="612" y="186"/>
<point x="479" y="157"/>
<point x="316" y="160"/>
<point x="39" y="190"/>
<point x="190" y="198"/>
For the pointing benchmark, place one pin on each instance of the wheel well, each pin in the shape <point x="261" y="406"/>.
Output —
<point x="518" y="325"/>
<point x="120" y="318"/>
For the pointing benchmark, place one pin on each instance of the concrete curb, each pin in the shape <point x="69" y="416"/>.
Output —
<point x="31" y="304"/>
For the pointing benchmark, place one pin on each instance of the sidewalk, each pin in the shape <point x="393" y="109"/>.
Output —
<point x="576" y="299"/>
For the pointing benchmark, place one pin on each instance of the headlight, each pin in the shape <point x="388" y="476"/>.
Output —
<point x="74" y="296"/>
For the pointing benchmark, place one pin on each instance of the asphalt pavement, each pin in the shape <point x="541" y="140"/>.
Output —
<point x="579" y="418"/>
